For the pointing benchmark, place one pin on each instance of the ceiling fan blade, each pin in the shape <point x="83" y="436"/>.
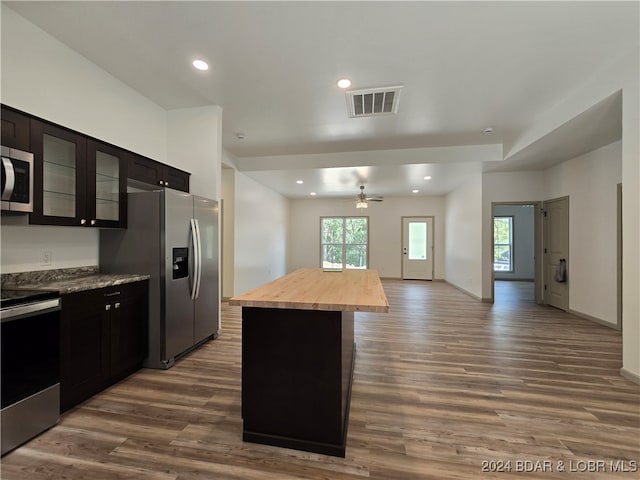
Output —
<point x="376" y="199"/>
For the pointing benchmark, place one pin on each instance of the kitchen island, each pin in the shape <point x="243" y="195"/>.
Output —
<point x="298" y="353"/>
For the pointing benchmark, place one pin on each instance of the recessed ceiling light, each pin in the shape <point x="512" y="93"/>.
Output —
<point x="240" y="135"/>
<point x="428" y="177"/>
<point x="299" y="182"/>
<point x="488" y="130"/>
<point x="201" y="65"/>
<point x="313" y="194"/>
<point x="415" y="191"/>
<point x="344" y="83"/>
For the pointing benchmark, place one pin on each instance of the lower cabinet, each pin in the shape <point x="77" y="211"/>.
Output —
<point x="103" y="339"/>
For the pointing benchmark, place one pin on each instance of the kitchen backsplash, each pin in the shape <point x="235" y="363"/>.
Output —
<point x="30" y="247"/>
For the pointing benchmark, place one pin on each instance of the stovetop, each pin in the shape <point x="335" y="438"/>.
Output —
<point x="11" y="298"/>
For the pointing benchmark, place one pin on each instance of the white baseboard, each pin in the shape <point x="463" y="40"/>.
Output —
<point x="593" y="319"/>
<point x="484" y="300"/>
<point x="635" y="378"/>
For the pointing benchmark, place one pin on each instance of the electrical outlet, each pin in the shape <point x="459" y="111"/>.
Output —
<point x="45" y="257"/>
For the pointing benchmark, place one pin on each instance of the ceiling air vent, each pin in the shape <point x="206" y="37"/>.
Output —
<point x="373" y="101"/>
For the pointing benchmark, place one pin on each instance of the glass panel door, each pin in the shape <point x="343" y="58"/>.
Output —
<point x="59" y="177"/>
<point x="417" y="251"/>
<point x="107" y="186"/>
<point x="417" y="240"/>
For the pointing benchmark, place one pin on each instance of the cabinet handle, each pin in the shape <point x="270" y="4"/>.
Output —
<point x="113" y="294"/>
<point x="166" y="184"/>
<point x="83" y="222"/>
<point x="107" y="307"/>
<point x="117" y="305"/>
<point x="161" y="182"/>
<point x="93" y="222"/>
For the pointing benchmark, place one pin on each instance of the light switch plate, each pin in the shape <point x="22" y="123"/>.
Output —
<point x="45" y="258"/>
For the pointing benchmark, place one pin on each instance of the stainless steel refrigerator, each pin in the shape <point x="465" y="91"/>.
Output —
<point x="173" y="237"/>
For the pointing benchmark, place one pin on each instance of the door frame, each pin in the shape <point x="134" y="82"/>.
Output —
<point x="544" y="238"/>
<point x="619" y="256"/>
<point x="537" y="248"/>
<point x="433" y="236"/>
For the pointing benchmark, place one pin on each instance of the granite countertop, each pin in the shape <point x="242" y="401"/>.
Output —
<point x="68" y="280"/>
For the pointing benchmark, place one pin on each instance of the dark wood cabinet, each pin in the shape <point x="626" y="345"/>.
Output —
<point x="78" y="181"/>
<point x="106" y="185"/>
<point x="103" y="339"/>
<point x="84" y="362"/>
<point x="15" y="129"/>
<point x="149" y="171"/>
<point x="59" y="180"/>
<point x="128" y="329"/>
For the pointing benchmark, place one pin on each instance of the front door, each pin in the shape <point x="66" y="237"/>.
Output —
<point x="556" y="253"/>
<point x="417" y="248"/>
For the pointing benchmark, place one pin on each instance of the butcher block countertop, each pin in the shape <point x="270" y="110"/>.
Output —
<point x="315" y="289"/>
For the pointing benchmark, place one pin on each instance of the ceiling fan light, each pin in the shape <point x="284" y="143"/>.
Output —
<point x="361" y="204"/>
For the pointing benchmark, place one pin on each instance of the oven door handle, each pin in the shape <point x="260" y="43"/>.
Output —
<point x="37" y="308"/>
<point x="10" y="179"/>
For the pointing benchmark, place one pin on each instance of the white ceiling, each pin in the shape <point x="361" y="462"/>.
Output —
<point x="464" y="66"/>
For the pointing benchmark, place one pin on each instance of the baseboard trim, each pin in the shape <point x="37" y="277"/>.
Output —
<point x="513" y="279"/>
<point x="467" y="292"/>
<point x="630" y="375"/>
<point x="593" y="319"/>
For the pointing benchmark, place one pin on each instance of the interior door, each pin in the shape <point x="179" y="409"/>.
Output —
<point x="556" y="250"/>
<point x="417" y="248"/>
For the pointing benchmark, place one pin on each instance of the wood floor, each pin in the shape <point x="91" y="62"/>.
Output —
<point x="445" y="388"/>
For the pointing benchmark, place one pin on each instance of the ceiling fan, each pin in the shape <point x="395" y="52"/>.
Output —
<point x="362" y="199"/>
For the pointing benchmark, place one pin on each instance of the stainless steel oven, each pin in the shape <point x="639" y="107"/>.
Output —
<point x="17" y="180"/>
<point x="30" y="355"/>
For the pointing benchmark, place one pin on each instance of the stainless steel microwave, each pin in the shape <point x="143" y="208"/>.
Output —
<point x="17" y="180"/>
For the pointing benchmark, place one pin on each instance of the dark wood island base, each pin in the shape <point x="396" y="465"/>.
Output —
<point x="297" y="371"/>
<point x="298" y="353"/>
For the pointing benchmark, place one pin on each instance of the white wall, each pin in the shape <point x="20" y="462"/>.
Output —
<point x="22" y="246"/>
<point x="503" y="187"/>
<point x="228" y="232"/>
<point x="523" y="249"/>
<point x="261" y="229"/>
<point x="590" y="181"/>
<point x="194" y="144"/>
<point x="385" y="230"/>
<point x="45" y="78"/>
<point x="622" y="74"/>
<point x="463" y="237"/>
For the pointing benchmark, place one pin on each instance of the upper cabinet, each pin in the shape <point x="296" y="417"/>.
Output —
<point x="15" y="129"/>
<point x="77" y="180"/>
<point x="106" y="184"/>
<point x="149" y="171"/>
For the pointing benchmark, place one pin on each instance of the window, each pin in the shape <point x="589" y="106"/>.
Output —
<point x="503" y="244"/>
<point x="344" y="242"/>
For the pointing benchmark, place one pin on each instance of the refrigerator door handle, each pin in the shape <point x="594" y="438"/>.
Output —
<point x="199" y="260"/>
<point x="196" y="265"/>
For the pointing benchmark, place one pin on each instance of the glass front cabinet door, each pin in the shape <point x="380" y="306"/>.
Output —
<point x="59" y="175"/>
<point x="77" y="181"/>
<point x="106" y="185"/>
